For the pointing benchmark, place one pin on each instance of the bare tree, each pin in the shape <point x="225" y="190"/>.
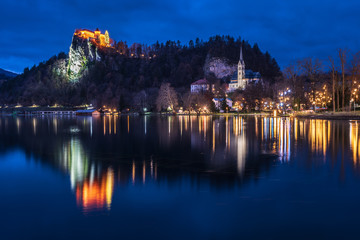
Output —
<point x="342" y="56"/>
<point x="140" y="101"/>
<point x="167" y="97"/>
<point x="355" y="72"/>
<point x="293" y="80"/>
<point x="311" y="69"/>
<point x="334" y="81"/>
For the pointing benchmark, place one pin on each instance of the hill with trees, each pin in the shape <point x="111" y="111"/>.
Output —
<point x="125" y="76"/>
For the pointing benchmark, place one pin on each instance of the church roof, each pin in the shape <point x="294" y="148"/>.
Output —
<point x="249" y="74"/>
<point x="200" y="82"/>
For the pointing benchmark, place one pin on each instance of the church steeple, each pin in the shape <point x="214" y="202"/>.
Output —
<point x="241" y="70"/>
<point x="241" y="55"/>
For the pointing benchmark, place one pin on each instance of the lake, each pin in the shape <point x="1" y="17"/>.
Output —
<point x="178" y="177"/>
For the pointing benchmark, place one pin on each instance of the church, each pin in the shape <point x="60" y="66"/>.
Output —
<point x="242" y="77"/>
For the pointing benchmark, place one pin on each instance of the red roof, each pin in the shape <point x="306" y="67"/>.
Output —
<point x="200" y="82"/>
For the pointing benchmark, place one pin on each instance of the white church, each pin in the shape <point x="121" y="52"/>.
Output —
<point x="242" y="77"/>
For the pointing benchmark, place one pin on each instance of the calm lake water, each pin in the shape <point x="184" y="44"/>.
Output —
<point x="178" y="178"/>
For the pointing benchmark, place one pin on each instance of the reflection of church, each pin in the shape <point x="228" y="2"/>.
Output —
<point x="242" y="77"/>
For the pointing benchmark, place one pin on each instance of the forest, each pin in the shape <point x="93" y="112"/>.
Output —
<point x="129" y="77"/>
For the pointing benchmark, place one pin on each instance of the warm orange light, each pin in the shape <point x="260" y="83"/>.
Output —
<point x="98" y="194"/>
<point x="95" y="37"/>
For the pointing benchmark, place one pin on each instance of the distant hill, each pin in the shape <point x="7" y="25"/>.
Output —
<point x="127" y="77"/>
<point x="4" y="74"/>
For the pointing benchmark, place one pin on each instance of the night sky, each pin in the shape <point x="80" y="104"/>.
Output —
<point x="34" y="30"/>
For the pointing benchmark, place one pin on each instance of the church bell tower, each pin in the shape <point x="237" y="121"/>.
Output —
<point x="241" y="70"/>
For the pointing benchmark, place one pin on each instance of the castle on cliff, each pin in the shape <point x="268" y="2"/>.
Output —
<point x="95" y="37"/>
<point x="242" y="77"/>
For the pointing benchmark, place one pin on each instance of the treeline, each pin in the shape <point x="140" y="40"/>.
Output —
<point x="329" y="84"/>
<point x="128" y="74"/>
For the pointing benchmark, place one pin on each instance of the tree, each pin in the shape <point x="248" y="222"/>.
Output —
<point x="355" y="72"/>
<point x="167" y="97"/>
<point x="294" y="81"/>
<point x="334" y="81"/>
<point x="312" y="69"/>
<point x="140" y="101"/>
<point x="107" y="38"/>
<point x="223" y="104"/>
<point x="342" y="56"/>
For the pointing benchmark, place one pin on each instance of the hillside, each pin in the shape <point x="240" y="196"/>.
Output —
<point x="4" y="74"/>
<point x="118" y="75"/>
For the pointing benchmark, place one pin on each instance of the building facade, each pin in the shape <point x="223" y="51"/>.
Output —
<point x="201" y="85"/>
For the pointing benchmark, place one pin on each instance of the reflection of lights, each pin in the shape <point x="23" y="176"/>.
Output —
<point x="115" y="122"/>
<point x="34" y="125"/>
<point x="133" y="172"/>
<point x="181" y="124"/>
<point x="74" y="130"/>
<point x="55" y="124"/>
<point x="241" y="151"/>
<point x="151" y="168"/>
<point x="128" y="124"/>
<point x="18" y="125"/>
<point x="110" y="117"/>
<point x="97" y="194"/>
<point x="317" y="134"/>
<point x="213" y="137"/>
<point x="91" y="127"/>
<point x="145" y="124"/>
<point x="354" y="141"/>
<point x="104" y="126"/>
<point x="74" y="159"/>
<point x="144" y="172"/>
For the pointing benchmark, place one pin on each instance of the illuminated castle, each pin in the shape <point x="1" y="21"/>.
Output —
<point x="95" y="37"/>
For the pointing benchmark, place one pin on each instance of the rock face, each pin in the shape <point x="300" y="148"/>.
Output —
<point x="81" y="53"/>
<point x="219" y="67"/>
<point x="59" y="67"/>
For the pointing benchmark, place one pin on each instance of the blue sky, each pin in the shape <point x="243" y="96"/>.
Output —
<point x="34" y="30"/>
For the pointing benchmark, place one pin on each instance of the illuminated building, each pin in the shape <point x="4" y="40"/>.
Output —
<point x="242" y="77"/>
<point x="201" y="85"/>
<point x="95" y="37"/>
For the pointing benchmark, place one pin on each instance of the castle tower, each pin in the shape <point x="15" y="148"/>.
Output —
<point x="97" y="35"/>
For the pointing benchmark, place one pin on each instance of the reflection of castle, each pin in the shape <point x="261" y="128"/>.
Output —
<point x="94" y="188"/>
<point x="95" y="37"/>
<point x="96" y="193"/>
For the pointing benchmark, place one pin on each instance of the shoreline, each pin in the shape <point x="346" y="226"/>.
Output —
<point x="331" y="116"/>
<point x="345" y="116"/>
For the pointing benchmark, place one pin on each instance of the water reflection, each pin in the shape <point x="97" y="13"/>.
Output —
<point x="95" y="193"/>
<point x="101" y="153"/>
<point x="354" y="142"/>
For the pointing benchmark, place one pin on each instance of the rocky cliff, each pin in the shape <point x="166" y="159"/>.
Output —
<point x="82" y="52"/>
<point x="219" y="67"/>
